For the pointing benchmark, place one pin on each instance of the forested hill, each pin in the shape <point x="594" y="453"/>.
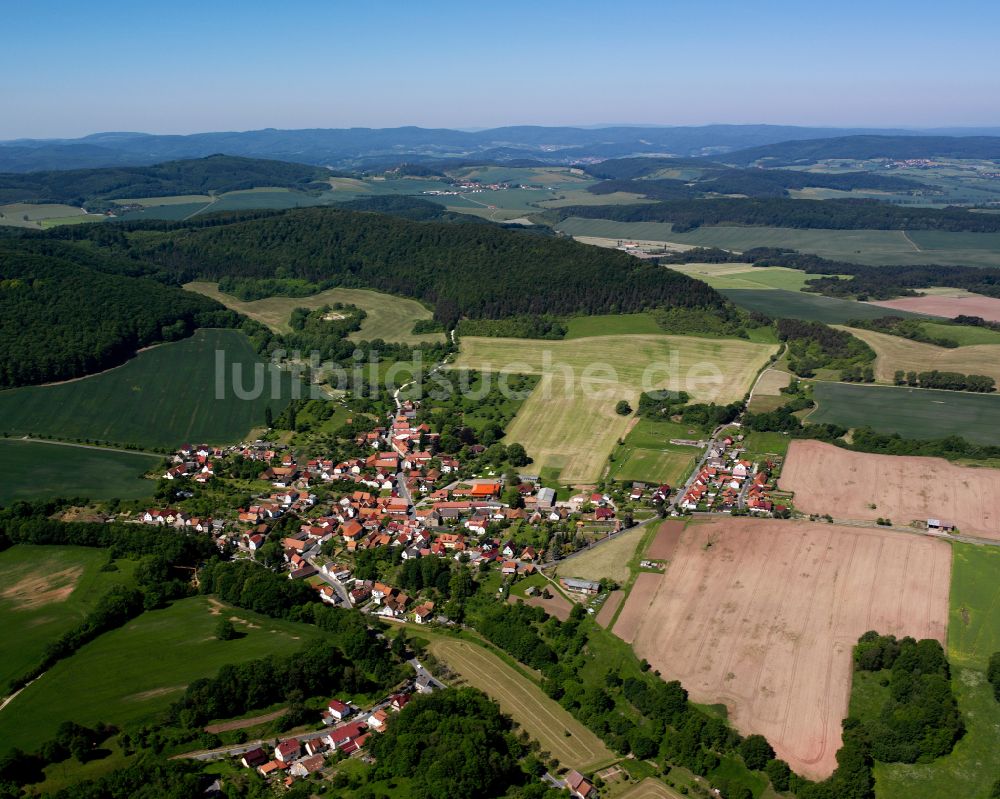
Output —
<point x="865" y="147"/>
<point x="785" y="212"/>
<point x="216" y="173"/>
<point x="478" y="271"/>
<point x="60" y="318"/>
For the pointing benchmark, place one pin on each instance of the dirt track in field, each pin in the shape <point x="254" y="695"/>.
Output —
<point x="845" y="484"/>
<point x="763" y="614"/>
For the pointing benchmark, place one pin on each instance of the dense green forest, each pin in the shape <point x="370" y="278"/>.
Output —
<point x="784" y="212"/>
<point x="813" y="345"/>
<point x="216" y="173"/>
<point x="60" y="318"/>
<point x="477" y="271"/>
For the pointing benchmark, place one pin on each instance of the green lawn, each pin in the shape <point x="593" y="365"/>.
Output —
<point x="45" y="591"/>
<point x="808" y="306"/>
<point x="973" y="634"/>
<point x="648" y="456"/>
<point x="130" y="674"/>
<point x="965" y="335"/>
<point x="611" y="325"/>
<point x="913" y="413"/>
<point x="39" y="470"/>
<point x="162" y="398"/>
<point x="759" y="444"/>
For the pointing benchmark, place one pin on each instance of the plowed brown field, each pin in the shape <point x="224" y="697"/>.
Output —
<point x="762" y="615"/>
<point x="857" y="485"/>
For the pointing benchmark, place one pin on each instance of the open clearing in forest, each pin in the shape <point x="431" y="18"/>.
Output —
<point x="569" y="421"/>
<point x="895" y="352"/>
<point x="545" y="720"/>
<point x="860" y="485"/>
<point x="130" y="674"/>
<point x="388" y="317"/>
<point x="975" y="305"/>
<point x="608" y="559"/>
<point x="763" y="614"/>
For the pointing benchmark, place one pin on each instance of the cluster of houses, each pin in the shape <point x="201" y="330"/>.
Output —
<point x="727" y="482"/>
<point x="349" y="730"/>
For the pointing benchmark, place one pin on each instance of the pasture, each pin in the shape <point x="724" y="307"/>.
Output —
<point x="965" y="335"/>
<point x="973" y="634"/>
<point x="544" y="719"/>
<point x="44" y="215"/>
<point x="804" y="305"/>
<point x="910" y="412"/>
<point x="611" y="325"/>
<point x="33" y="470"/>
<point x="904" y="489"/>
<point x="648" y="456"/>
<point x="937" y="305"/>
<point x="762" y="615"/>
<point x="131" y="674"/>
<point x="44" y="592"/>
<point x="875" y="247"/>
<point x="389" y="318"/>
<point x="163" y="397"/>
<point x="606" y="560"/>
<point x="569" y="421"/>
<point x="895" y="352"/>
<point x="746" y="276"/>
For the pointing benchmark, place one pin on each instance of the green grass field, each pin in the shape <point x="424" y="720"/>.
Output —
<point x="161" y="398"/>
<point x="762" y="444"/>
<point x="390" y="318"/>
<point x="648" y="456"/>
<point x="569" y="421"/>
<point x="44" y="215"/>
<point x="973" y="634"/>
<point x="611" y="325"/>
<point x="40" y="470"/>
<point x="543" y="718"/>
<point x="913" y="413"/>
<point x="44" y="592"/>
<point x="965" y="335"/>
<point x="804" y="305"/>
<point x="876" y="247"/>
<point x="131" y="674"/>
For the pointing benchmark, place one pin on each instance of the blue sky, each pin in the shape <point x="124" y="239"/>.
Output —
<point x="72" y="68"/>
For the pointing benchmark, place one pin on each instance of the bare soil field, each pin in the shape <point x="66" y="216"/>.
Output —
<point x="637" y="604"/>
<point x="763" y="614"/>
<point x="557" y="605"/>
<point x="37" y="590"/>
<point x="974" y="305"/>
<point x="607" y="611"/>
<point x="894" y="352"/>
<point x="857" y="485"/>
<point x="667" y="538"/>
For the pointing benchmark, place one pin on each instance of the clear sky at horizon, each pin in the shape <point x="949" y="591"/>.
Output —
<point x="181" y="67"/>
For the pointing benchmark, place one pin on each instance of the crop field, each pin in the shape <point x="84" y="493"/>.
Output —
<point x="746" y="276"/>
<point x="175" y="199"/>
<point x="895" y="352"/>
<point x="637" y="604"/>
<point x="973" y="634"/>
<point x="805" y="305"/>
<point x="610" y="560"/>
<point x="911" y="412"/>
<point x="43" y="215"/>
<point x="936" y="305"/>
<point x="389" y="318"/>
<point x="611" y="325"/>
<point x="767" y="391"/>
<point x="762" y="615"/>
<point x="130" y="674"/>
<point x="609" y="608"/>
<point x="875" y="247"/>
<point x="41" y="470"/>
<point x="569" y="421"/>
<point x="545" y="720"/>
<point x="168" y="213"/>
<point x="650" y="788"/>
<point x="668" y="536"/>
<point x="860" y="485"/>
<point x="44" y="592"/>
<point x="161" y="398"/>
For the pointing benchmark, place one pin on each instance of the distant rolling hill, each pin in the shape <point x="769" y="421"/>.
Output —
<point x="215" y="173"/>
<point x="865" y="147"/>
